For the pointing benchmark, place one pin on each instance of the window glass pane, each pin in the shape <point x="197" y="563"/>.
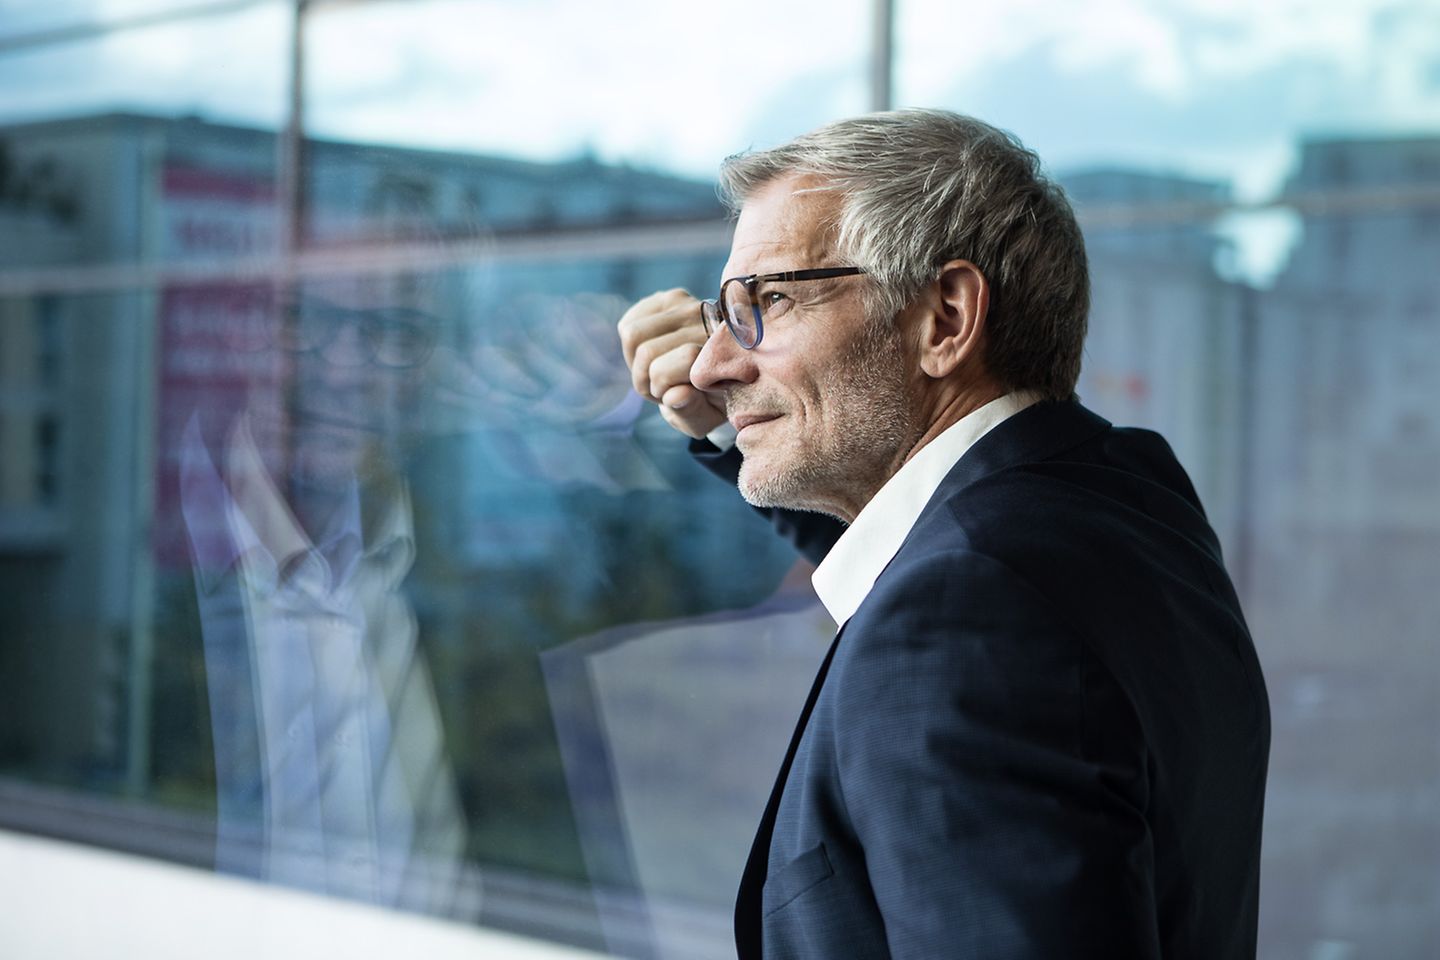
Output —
<point x="365" y="571"/>
<point x="1258" y="185"/>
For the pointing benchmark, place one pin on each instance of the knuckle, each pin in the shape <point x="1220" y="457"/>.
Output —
<point x="627" y="338"/>
<point x="645" y="355"/>
<point x="629" y="322"/>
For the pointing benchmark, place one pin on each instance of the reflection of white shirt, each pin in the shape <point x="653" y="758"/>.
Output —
<point x="843" y="580"/>
<point x="350" y="753"/>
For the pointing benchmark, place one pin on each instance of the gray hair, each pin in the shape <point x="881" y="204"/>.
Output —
<point x="921" y="187"/>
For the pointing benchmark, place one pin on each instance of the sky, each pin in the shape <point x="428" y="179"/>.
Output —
<point x="1219" y="89"/>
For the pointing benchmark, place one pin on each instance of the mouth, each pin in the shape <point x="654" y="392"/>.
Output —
<point x="751" y="419"/>
<point x="313" y="417"/>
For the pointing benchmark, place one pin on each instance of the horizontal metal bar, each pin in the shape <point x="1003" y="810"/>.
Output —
<point x="1308" y="203"/>
<point x="646" y="240"/>
<point x="80" y="32"/>
<point x="378" y="258"/>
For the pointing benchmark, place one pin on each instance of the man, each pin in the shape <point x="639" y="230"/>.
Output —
<point x="1041" y="730"/>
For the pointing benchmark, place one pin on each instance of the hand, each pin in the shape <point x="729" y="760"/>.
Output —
<point x="661" y="336"/>
<point x="550" y="359"/>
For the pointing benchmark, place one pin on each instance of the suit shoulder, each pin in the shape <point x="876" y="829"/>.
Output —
<point x="1122" y="493"/>
<point x="1103" y="540"/>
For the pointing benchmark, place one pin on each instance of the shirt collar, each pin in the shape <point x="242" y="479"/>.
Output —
<point x="245" y="516"/>
<point x="384" y="540"/>
<point x="849" y="570"/>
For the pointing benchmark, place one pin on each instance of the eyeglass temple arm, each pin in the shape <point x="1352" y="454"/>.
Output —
<point x="820" y="273"/>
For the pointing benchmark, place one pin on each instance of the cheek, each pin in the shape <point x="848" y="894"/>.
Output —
<point x="809" y="379"/>
<point x="828" y="396"/>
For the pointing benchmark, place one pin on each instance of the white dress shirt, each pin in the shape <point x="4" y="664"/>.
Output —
<point x="844" y="579"/>
<point x="354" y="786"/>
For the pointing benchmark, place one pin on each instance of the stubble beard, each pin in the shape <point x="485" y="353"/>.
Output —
<point x="871" y="422"/>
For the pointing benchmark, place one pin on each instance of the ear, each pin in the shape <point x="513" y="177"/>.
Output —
<point x="953" y="323"/>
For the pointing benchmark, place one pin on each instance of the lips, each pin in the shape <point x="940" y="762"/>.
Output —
<point x="744" y="420"/>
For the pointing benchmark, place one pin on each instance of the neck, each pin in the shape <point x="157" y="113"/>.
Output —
<point x="949" y="410"/>
<point x="943" y="414"/>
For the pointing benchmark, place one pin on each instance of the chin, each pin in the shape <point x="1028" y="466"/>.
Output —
<point x="758" y="486"/>
<point x="763" y="486"/>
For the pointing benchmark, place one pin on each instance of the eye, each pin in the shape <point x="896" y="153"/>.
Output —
<point x="774" y="303"/>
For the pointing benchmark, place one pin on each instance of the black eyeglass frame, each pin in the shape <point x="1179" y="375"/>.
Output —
<point x="325" y="321"/>
<point x="712" y="313"/>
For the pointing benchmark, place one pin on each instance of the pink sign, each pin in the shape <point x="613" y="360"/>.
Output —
<point x="216" y="354"/>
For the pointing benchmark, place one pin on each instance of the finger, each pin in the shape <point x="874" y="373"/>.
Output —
<point x="668" y="358"/>
<point x="672" y="369"/>
<point x="681" y="396"/>
<point x="670" y="326"/>
<point x="696" y="419"/>
<point x="654" y="316"/>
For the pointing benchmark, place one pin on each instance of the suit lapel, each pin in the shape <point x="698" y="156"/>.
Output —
<point x="748" y="939"/>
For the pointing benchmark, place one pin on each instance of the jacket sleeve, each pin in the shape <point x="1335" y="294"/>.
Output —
<point x="813" y="534"/>
<point x="998" y="782"/>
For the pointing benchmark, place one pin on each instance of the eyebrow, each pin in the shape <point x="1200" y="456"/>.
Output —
<point x="806" y="274"/>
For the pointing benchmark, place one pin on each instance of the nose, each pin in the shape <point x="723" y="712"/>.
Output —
<point x="722" y="363"/>
<point x="347" y="347"/>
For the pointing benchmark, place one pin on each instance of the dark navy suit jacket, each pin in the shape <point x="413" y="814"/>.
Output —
<point x="1044" y="734"/>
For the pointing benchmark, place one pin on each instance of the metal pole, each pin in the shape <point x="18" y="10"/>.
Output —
<point x="290" y="145"/>
<point x="290" y="219"/>
<point x="81" y="32"/>
<point x="882" y="53"/>
<point x="1249" y="375"/>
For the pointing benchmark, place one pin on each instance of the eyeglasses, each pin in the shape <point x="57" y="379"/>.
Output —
<point x="395" y="337"/>
<point x="741" y="308"/>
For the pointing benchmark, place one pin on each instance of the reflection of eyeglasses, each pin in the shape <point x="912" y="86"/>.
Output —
<point x="395" y="337"/>
<point x="743" y="308"/>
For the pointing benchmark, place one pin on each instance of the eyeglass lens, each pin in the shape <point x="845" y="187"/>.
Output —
<point x="740" y="312"/>
<point x="395" y="337"/>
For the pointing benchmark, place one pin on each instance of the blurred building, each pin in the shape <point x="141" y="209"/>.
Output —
<point x="1166" y="331"/>
<point x="1349" y="354"/>
<point x="1345" y="527"/>
<point x="68" y="385"/>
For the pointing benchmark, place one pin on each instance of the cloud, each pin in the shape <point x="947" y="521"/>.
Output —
<point x="1219" y="88"/>
<point x="658" y="82"/>
<point x="231" y="66"/>
<point x="20" y="17"/>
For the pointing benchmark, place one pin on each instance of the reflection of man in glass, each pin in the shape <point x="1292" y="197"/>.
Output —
<point x="329" y="755"/>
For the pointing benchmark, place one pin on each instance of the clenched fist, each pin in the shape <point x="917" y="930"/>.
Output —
<point x="661" y="336"/>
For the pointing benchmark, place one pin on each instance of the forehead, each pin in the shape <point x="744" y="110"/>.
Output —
<point x="354" y="293"/>
<point x="786" y="224"/>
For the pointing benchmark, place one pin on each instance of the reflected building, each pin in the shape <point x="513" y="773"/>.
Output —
<point x="543" y="496"/>
<point x="31" y="385"/>
<point x="69" y="379"/>
<point x="100" y="381"/>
